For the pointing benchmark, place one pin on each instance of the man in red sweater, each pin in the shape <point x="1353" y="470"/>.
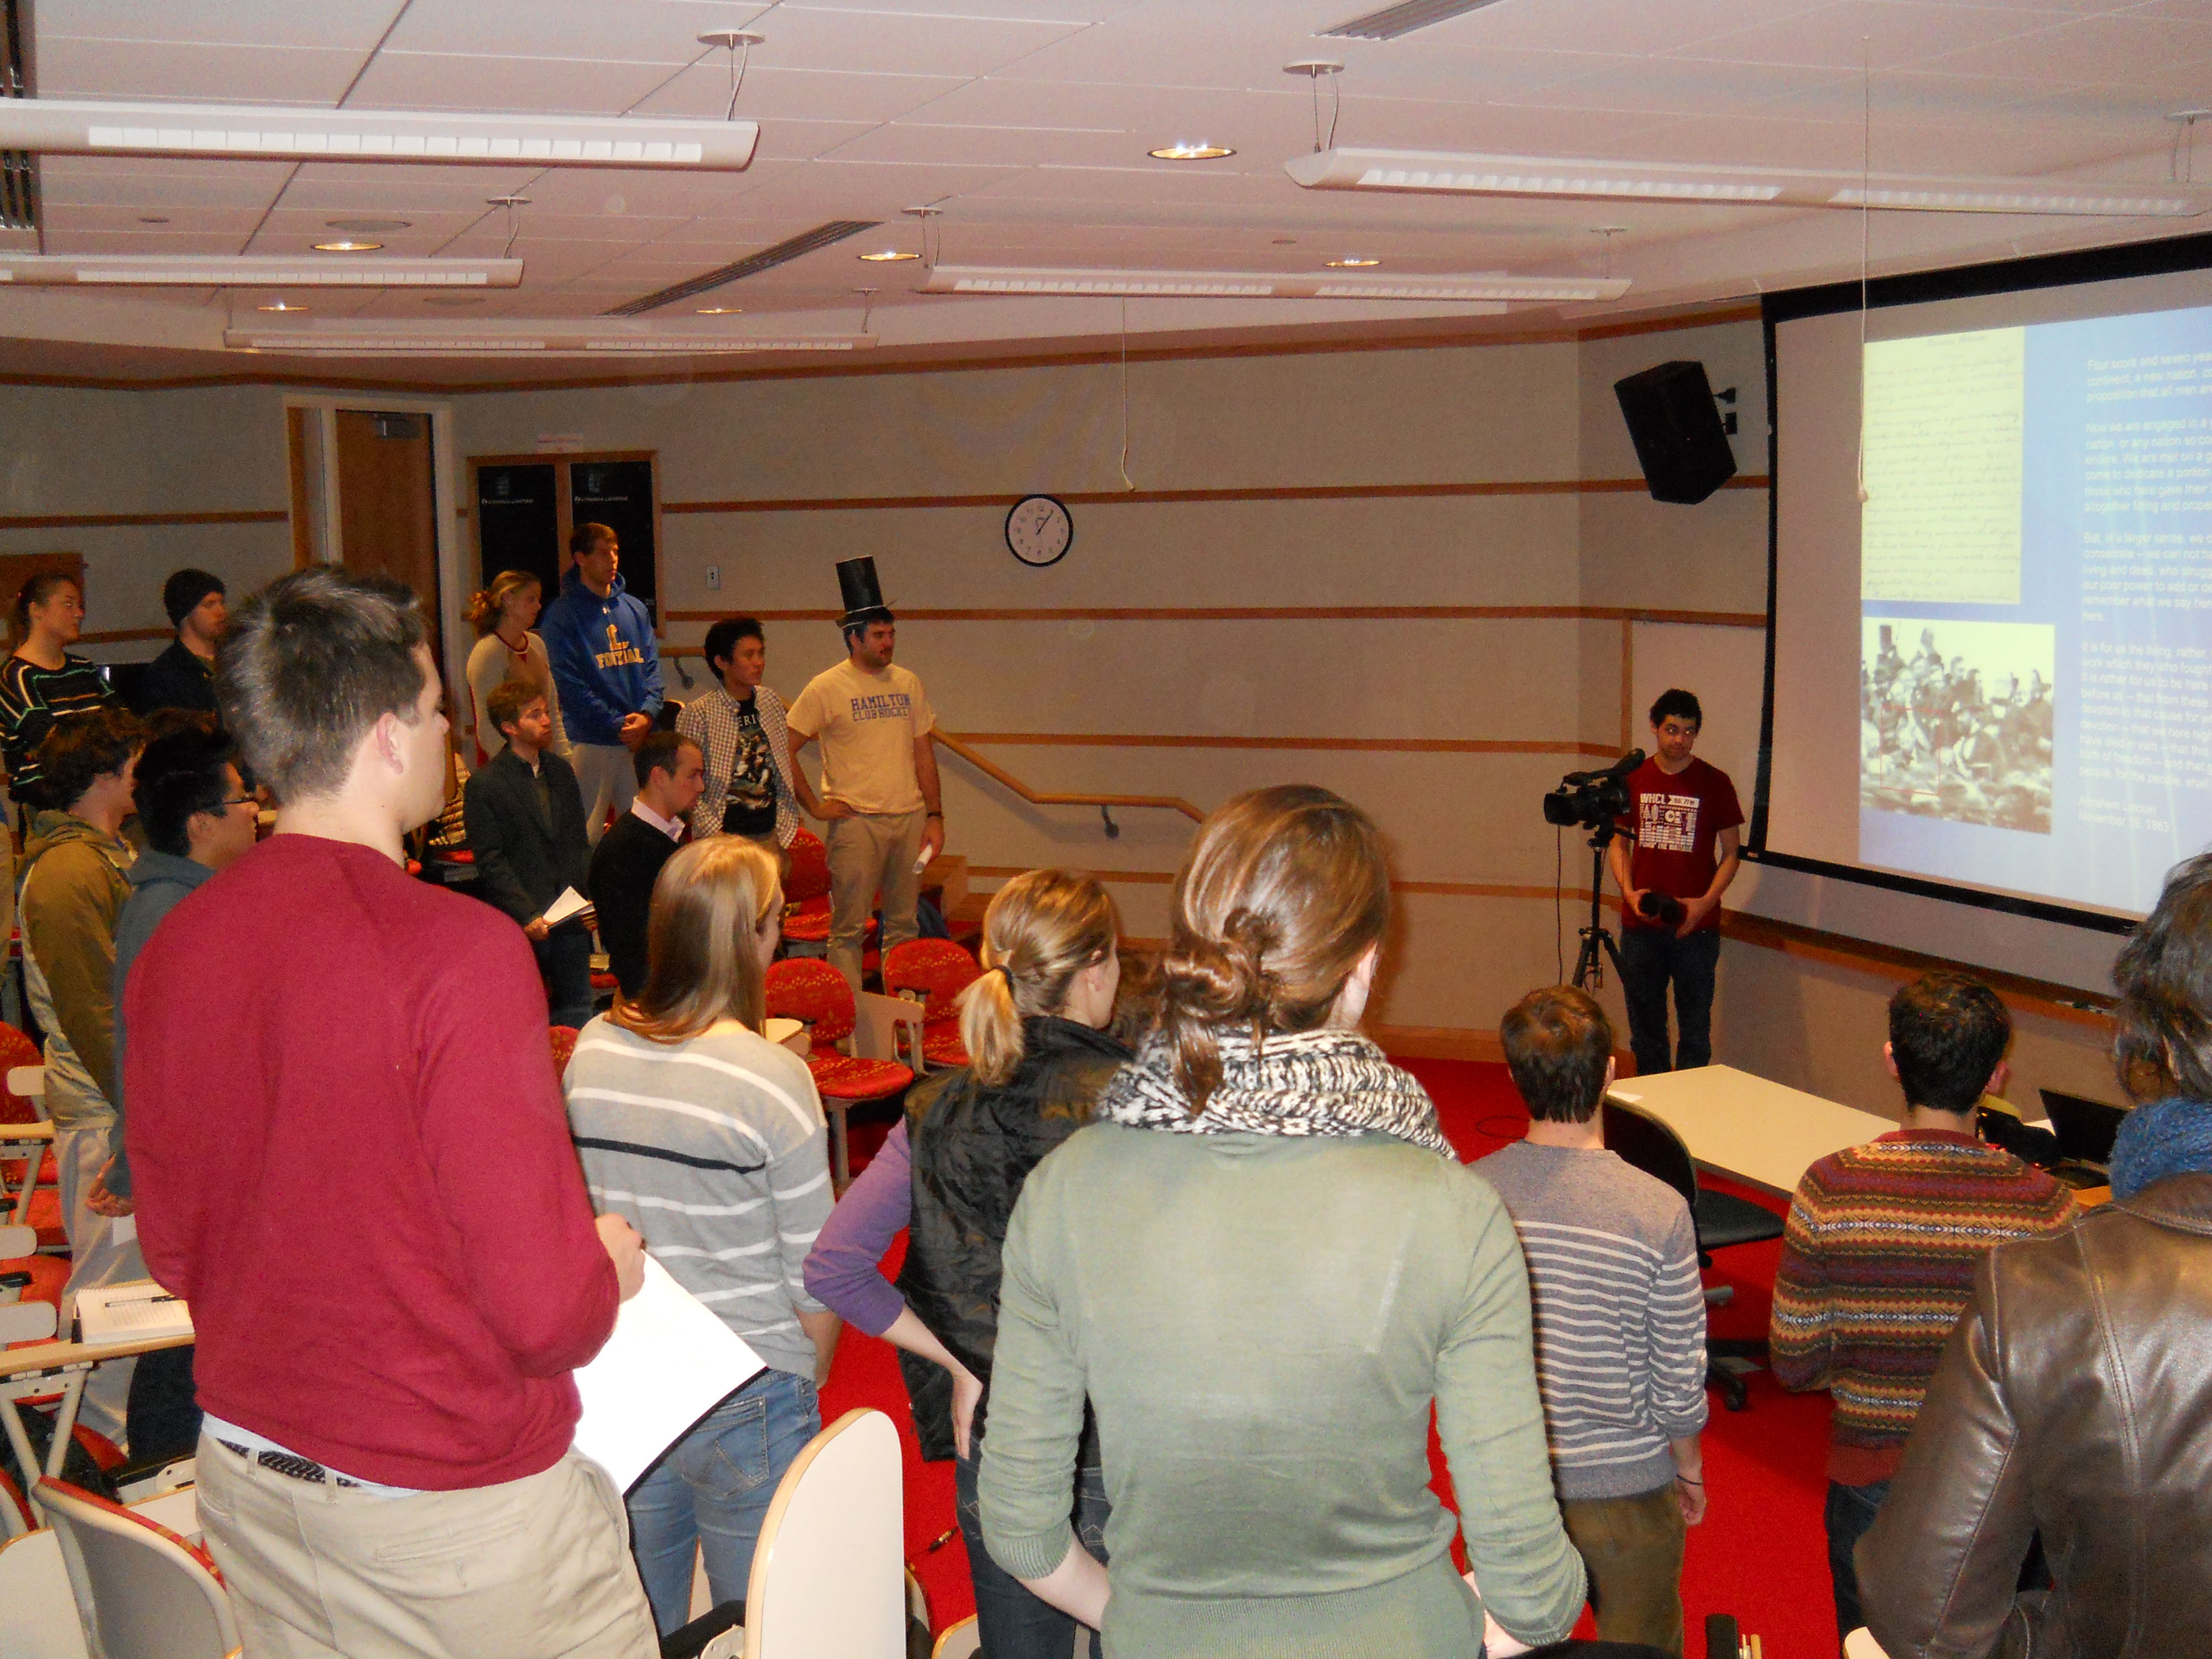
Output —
<point x="352" y="1158"/>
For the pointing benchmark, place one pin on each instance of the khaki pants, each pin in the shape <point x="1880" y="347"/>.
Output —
<point x="537" y="1568"/>
<point x="606" y="777"/>
<point x="97" y="1256"/>
<point x="872" y="851"/>
<point x="1634" y="1549"/>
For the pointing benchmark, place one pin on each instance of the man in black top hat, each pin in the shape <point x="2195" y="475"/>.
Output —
<point x="883" y="815"/>
<point x="183" y="676"/>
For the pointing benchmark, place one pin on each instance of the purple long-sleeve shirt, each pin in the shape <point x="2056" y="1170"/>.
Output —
<point x="844" y="1270"/>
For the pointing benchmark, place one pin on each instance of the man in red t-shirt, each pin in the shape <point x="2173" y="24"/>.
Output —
<point x="1680" y="845"/>
<point x="351" y="1157"/>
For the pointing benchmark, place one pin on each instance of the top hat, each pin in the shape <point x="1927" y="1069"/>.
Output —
<point x="863" y="597"/>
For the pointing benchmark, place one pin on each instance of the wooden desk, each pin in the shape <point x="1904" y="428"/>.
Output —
<point x="1747" y="1129"/>
<point x="57" y="1368"/>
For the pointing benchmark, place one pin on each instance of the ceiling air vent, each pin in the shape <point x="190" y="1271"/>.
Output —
<point x="751" y="265"/>
<point x="19" y="172"/>
<point x="1392" y="21"/>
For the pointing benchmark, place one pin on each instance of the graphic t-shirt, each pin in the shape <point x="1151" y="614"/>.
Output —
<point x="749" y="807"/>
<point x="1675" y="819"/>
<point x="867" y="724"/>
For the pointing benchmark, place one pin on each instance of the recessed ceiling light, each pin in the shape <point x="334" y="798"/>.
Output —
<point x="719" y="311"/>
<point x="371" y="226"/>
<point x="153" y="218"/>
<point x="347" y="248"/>
<point x="888" y="256"/>
<point x="281" y="306"/>
<point x="1184" y="149"/>
<point x="1350" y="264"/>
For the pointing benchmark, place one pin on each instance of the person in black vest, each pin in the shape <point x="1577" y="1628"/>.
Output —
<point x="671" y="772"/>
<point x="525" y="828"/>
<point x="183" y="676"/>
<point x="1034" y="1028"/>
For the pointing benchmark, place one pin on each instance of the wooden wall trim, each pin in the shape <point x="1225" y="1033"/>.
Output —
<point x="1359" y="745"/>
<point x="124" y="635"/>
<point x="1271" y="613"/>
<point x="122" y="520"/>
<point x="1161" y="497"/>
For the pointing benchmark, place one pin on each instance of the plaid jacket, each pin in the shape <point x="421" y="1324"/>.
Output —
<point x="711" y="720"/>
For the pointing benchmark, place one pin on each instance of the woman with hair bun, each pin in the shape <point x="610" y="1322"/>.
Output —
<point x="1260" y="1266"/>
<point x="507" y="649"/>
<point x="1033" y="1025"/>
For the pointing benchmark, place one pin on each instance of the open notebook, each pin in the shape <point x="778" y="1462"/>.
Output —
<point x="131" y="1310"/>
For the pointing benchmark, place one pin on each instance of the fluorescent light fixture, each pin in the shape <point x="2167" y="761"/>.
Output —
<point x="251" y="270"/>
<point x="1392" y="21"/>
<point x="573" y="337"/>
<point x="1488" y="291"/>
<point x="1582" y="177"/>
<point x="77" y="126"/>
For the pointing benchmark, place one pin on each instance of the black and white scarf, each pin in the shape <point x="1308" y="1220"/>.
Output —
<point x="1327" y="1082"/>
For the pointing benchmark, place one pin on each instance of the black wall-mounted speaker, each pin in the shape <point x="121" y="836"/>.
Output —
<point x="1679" y="442"/>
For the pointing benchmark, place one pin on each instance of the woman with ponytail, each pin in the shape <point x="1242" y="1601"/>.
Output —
<point x="504" y="615"/>
<point x="1034" y="1028"/>
<point x="1261" y="1267"/>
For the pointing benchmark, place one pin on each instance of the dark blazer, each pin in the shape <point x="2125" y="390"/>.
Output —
<point x="523" y="862"/>
<point x="624" y="865"/>
<point x="176" y="679"/>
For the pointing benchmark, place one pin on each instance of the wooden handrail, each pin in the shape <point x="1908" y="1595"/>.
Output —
<point x="1172" y="803"/>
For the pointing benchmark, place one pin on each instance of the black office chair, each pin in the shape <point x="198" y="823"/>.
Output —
<point x="1644" y="1142"/>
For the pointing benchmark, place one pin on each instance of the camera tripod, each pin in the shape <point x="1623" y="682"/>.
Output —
<point x="1589" y="971"/>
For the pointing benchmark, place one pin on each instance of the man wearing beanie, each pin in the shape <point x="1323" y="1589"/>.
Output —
<point x="183" y="676"/>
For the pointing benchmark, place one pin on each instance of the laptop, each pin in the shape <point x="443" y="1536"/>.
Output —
<point x="2085" y="1130"/>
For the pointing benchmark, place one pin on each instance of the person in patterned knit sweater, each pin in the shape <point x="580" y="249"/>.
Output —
<point x="1878" y="1256"/>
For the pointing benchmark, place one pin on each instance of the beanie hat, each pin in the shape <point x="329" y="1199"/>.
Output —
<point x="182" y="593"/>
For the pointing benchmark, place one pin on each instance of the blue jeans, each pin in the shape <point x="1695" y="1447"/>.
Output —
<point x="1649" y="958"/>
<point x="1849" y="1515"/>
<point x="564" y="962"/>
<point x="712" y="1492"/>
<point x="1013" y="1623"/>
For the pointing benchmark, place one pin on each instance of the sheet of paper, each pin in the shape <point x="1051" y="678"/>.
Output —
<point x="1623" y="1094"/>
<point x="124" y="1230"/>
<point x="670" y="1361"/>
<point x="566" y="906"/>
<point x="135" y="1308"/>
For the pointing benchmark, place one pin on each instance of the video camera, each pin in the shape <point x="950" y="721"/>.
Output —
<point x="1663" y="908"/>
<point x="1593" y="800"/>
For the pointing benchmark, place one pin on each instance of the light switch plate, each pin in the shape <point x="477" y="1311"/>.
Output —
<point x="714" y="577"/>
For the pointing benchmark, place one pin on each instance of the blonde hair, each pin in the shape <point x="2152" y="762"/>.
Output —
<point x="711" y="903"/>
<point x="1042" y="928"/>
<point x="489" y="605"/>
<point x="1284" y="892"/>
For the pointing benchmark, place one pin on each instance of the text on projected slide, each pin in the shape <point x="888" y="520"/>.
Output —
<point x="1942" y="444"/>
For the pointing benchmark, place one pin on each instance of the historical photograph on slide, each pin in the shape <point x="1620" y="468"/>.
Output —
<point x="1955" y="720"/>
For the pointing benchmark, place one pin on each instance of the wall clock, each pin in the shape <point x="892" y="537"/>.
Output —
<point x="1039" y="531"/>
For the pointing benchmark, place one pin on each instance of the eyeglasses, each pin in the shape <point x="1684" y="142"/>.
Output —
<point x="237" y="800"/>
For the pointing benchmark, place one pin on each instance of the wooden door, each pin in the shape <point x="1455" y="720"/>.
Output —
<point x="388" y="504"/>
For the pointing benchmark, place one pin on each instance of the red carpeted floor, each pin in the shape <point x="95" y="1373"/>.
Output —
<point x="1759" y="1555"/>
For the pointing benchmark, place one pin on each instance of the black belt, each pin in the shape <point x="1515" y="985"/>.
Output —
<point x="299" y="1468"/>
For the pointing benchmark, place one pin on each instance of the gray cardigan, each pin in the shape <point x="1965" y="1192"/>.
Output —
<point x="159" y="883"/>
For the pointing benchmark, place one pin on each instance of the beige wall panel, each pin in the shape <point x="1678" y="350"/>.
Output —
<point x="1726" y="668"/>
<point x="219" y="449"/>
<point x="124" y="567"/>
<point x="1599" y="649"/>
<point x="1431" y="679"/>
<point x="1480" y="550"/>
<point x="1639" y="552"/>
<point x="1357" y="417"/>
<point x="1463" y="962"/>
<point x="1733" y="353"/>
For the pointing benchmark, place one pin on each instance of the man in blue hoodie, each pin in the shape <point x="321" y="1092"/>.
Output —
<point x="607" y="669"/>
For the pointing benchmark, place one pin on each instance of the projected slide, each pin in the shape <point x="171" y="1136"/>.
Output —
<point x="2035" y="587"/>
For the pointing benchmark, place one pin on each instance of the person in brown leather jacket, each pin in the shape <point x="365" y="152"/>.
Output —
<point x="2076" y="1398"/>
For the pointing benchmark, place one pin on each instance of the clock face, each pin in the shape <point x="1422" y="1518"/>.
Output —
<point x="1039" y="531"/>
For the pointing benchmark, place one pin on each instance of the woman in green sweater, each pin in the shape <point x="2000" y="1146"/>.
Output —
<point x="1261" y="1266"/>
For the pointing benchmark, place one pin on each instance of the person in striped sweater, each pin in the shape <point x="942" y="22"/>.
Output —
<point x="1878" y="1257"/>
<point x="1621" y="1320"/>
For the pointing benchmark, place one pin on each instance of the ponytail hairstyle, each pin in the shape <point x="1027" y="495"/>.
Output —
<point x="1042" y="928"/>
<point x="489" y="605"/>
<point x="37" y="590"/>
<point x="713" y="901"/>
<point x="1284" y="892"/>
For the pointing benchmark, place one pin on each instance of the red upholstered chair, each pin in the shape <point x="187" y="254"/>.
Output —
<point x="44" y="1209"/>
<point x="806" y="895"/>
<point x="815" y="993"/>
<point x="934" y="972"/>
<point x="141" y="1590"/>
<point x="564" y="1047"/>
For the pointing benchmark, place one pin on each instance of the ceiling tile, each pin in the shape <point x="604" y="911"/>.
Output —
<point x="1890" y="34"/>
<point x="352" y="24"/>
<point x="2103" y="48"/>
<point x="69" y="67"/>
<point x="414" y="80"/>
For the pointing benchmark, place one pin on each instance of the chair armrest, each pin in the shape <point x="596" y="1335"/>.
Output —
<point x="882" y="1025"/>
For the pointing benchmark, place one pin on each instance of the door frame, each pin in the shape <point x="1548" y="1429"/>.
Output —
<point x="326" y="530"/>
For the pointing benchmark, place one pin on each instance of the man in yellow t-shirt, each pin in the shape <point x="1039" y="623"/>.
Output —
<point x="882" y="819"/>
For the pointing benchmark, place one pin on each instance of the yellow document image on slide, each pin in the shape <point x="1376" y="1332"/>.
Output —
<point x="1944" y="416"/>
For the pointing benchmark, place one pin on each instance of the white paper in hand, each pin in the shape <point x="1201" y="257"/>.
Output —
<point x="670" y="1360"/>
<point x="571" y="902"/>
